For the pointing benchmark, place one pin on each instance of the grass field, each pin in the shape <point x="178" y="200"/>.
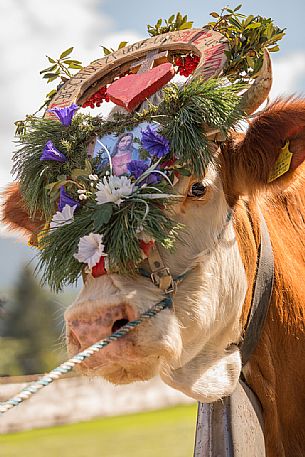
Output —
<point x="163" y="433"/>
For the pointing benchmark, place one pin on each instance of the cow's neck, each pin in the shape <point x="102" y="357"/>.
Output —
<point x="275" y="370"/>
<point x="246" y="225"/>
<point x="262" y="293"/>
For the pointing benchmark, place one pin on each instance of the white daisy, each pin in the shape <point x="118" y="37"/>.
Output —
<point x="90" y="249"/>
<point x="63" y="217"/>
<point x="114" y="189"/>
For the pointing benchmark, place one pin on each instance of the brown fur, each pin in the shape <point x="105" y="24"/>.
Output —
<point x="276" y="370"/>
<point x="247" y="234"/>
<point x="15" y="213"/>
<point x="283" y="120"/>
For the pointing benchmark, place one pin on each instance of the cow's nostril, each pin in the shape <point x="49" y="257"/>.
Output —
<point x="118" y="324"/>
<point x="73" y="340"/>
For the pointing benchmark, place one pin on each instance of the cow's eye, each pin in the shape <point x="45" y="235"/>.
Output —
<point x="197" y="190"/>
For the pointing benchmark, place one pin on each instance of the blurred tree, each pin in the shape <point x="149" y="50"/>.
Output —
<point x="30" y="334"/>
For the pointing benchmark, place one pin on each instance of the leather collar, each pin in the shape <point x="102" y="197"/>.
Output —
<point x="262" y="293"/>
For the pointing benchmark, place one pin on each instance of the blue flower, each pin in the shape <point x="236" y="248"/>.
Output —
<point x="65" y="114"/>
<point x="65" y="199"/>
<point x="154" y="143"/>
<point x="51" y="153"/>
<point x="153" y="178"/>
<point x="137" y="167"/>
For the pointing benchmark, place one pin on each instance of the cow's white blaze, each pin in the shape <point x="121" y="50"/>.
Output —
<point x="191" y="345"/>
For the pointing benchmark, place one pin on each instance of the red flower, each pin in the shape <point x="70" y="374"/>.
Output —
<point x="97" y="98"/>
<point x="168" y="163"/>
<point x="186" y="64"/>
<point x="99" y="269"/>
<point x="146" y="247"/>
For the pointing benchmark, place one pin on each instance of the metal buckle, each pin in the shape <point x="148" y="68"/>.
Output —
<point x="161" y="273"/>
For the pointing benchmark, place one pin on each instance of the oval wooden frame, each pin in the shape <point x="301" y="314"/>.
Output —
<point x="205" y="43"/>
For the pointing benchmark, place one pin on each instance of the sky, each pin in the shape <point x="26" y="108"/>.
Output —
<point x="32" y="29"/>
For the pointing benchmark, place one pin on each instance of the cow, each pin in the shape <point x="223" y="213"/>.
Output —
<point x="194" y="346"/>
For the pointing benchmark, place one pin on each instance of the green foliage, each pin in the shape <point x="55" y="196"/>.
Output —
<point x="101" y="216"/>
<point x="119" y="228"/>
<point x="12" y="351"/>
<point x="29" y="330"/>
<point x="188" y="108"/>
<point x="34" y="175"/>
<point x="248" y="36"/>
<point x="120" y="235"/>
<point x="58" y="269"/>
<point x="173" y="23"/>
<point x="108" y="51"/>
<point x="61" y="69"/>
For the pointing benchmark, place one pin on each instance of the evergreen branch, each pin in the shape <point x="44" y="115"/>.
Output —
<point x="58" y="269"/>
<point x="193" y="107"/>
<point x="120" y="239"/>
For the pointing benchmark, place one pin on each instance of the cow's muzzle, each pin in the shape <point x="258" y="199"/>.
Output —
<point x="84" y="329"/>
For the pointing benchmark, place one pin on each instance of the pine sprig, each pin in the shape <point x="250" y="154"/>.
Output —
<point x="58" y="269"/>
<point x="34" y="175"/>
<point x="119" y="236"/>
<point x="192" y="107"/>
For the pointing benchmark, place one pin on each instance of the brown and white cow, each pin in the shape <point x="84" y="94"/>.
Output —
<point x="193" y="347"/>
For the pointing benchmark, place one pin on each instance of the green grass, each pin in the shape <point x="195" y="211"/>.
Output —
<point x="163" y="433"/>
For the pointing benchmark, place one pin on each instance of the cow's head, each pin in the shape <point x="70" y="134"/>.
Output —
<point x="193" y="345"/>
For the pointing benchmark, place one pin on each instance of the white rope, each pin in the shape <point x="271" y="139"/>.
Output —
<point x="65" y="367"/>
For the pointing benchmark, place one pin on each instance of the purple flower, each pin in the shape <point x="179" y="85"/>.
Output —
<point x="154" y="143"/>
<point x="137" y="167"/>
<point x="65" y="199"/>
<point x="65" y="114"/>
<point x="51" y="153"/>
<point x="153" y="178"/>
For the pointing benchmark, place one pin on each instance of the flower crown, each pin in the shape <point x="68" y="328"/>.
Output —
<point x="105" y="187"/>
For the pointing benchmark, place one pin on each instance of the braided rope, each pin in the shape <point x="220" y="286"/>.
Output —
<point x="65" y="367"/>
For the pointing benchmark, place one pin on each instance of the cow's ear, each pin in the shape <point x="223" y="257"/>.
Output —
<point x="273" y="149"/>
<point x="15" y="213"/>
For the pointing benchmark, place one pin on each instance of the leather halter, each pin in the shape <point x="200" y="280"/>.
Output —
<point x="161" y="275"/>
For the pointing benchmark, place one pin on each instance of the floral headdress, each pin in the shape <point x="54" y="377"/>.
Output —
<point x="102" y="219"/>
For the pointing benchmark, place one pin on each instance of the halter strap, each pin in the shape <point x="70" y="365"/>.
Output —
<point x="261" y="298"/>
<point x="161" y="275"/>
